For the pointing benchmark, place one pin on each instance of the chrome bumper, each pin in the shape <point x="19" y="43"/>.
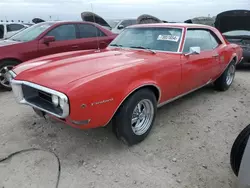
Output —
<point x="17" y="88"/>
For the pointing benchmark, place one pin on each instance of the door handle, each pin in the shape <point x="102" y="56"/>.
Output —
<point x="75" y="46"/>
<point x="215" y="55"/>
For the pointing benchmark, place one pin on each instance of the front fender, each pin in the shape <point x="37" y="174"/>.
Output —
<point x="97" y="101"/>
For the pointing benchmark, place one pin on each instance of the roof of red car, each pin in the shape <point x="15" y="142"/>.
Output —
<point x="63" y="22"/>
<point x="181" y="25"/>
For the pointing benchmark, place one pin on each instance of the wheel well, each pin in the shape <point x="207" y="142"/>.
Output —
<point x="153" y="88"/>
<point x="11" y="59"/>
<point x="235" y="59"/>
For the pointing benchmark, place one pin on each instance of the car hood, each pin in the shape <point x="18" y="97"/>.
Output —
<point x="7" y="42"/>
<point x="92" y="17"/>
<point x="59" y="70"/>
<point x="146" y="19"/>
<point x="233" y="20"/>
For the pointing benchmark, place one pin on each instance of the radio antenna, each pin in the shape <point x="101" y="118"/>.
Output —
<point x="97" y="37"/>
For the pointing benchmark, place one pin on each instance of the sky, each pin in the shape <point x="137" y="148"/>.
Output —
<point x="171" y="10"/>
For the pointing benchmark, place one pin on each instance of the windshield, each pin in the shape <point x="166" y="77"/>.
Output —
<point x="237" y="33"/>
<point x="162" y="39"/>
<point x="31" y="33"/>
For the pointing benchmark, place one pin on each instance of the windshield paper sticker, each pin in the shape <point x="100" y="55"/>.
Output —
<point x="168" y="38"/>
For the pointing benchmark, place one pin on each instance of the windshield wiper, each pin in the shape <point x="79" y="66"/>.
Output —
<point x="14" y="39"/>
<point x="118" y="45"/>
<point x="141" y="47"/>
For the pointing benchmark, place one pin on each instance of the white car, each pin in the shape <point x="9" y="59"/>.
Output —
<point x="121" y="24"/>
<point x="7" y="29"/>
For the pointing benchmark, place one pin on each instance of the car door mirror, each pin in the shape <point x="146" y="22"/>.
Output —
<point x="120" y="27"/>
<point x="193" y="51"/>
<point x="48" y="39"/>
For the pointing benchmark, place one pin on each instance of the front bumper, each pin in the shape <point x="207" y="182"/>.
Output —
<point x="39" y="97"/>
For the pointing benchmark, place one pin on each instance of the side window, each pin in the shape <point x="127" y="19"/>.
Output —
<point x="199" y="38"/>
<point x="1" y="31"/>
<point x="63" y="32"/>
<point x="14" y="27"/>
<point x="214" y="42"/>
<point x="89" y="31"/>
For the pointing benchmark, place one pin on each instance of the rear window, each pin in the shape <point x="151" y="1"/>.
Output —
<point x="89" y="31"/>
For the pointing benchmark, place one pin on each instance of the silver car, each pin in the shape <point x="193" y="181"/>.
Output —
<point x="240" y="158"/>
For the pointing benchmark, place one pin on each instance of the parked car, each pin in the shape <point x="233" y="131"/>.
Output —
<point x="122" y="24"/>
<point x="115" y="26"/>
<point x="235" y="27"/>
<point x="7" y="29"/>
<point x="145" y="67"/>
<point x="49" y="38"/>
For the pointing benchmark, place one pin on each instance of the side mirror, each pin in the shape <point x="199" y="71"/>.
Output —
<point x="48" y="39"/>
<point x="120" y="27"/>
<point x="193" y="50"/>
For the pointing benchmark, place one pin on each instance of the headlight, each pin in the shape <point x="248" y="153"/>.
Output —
<point x="55" y="100"/>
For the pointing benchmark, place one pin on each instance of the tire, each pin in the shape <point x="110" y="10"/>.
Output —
<point x="224" y="82"/>
<point x="123" y="127"/>
<point x="9" y="64"/>
<point x="238" y="149"/>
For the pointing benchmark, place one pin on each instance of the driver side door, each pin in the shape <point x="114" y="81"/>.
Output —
<point x="197" y="69"/>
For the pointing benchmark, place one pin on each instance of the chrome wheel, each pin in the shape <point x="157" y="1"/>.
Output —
<point x="230" y="74"/>
<point x="3" y="75"/>
<point x="142" y="117"/>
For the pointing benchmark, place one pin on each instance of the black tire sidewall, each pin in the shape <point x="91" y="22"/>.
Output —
<point x="123" y="117"/>
<point x="238" y="149"/>
<point x="221" y="82"/>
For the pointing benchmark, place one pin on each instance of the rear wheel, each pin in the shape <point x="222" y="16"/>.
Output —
<point x="135" y="117"/>
<point x="226" y="79"/>
<point x="5" y="66"/>
<point x="238" y="149"/>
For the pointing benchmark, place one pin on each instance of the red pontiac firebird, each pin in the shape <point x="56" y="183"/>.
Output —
<point x="49" y="38"/>
<point x="145" y="67"/>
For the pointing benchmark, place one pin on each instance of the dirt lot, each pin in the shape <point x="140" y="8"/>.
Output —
<point x="189" y="146"/>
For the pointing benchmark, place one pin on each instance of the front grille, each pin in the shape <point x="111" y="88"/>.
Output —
<point x="40" y="99"/>
<point x="45" y="96"/>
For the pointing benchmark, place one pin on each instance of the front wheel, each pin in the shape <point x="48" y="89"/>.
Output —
<point x="5" y="66"/>
<point x="226" y="79"/>
<point x="135" y="117"/>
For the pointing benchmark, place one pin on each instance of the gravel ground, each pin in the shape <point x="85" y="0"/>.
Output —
<point x="189" y="146"/>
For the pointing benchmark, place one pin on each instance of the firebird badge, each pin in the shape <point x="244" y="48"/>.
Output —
<point x="102" y="102"/>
